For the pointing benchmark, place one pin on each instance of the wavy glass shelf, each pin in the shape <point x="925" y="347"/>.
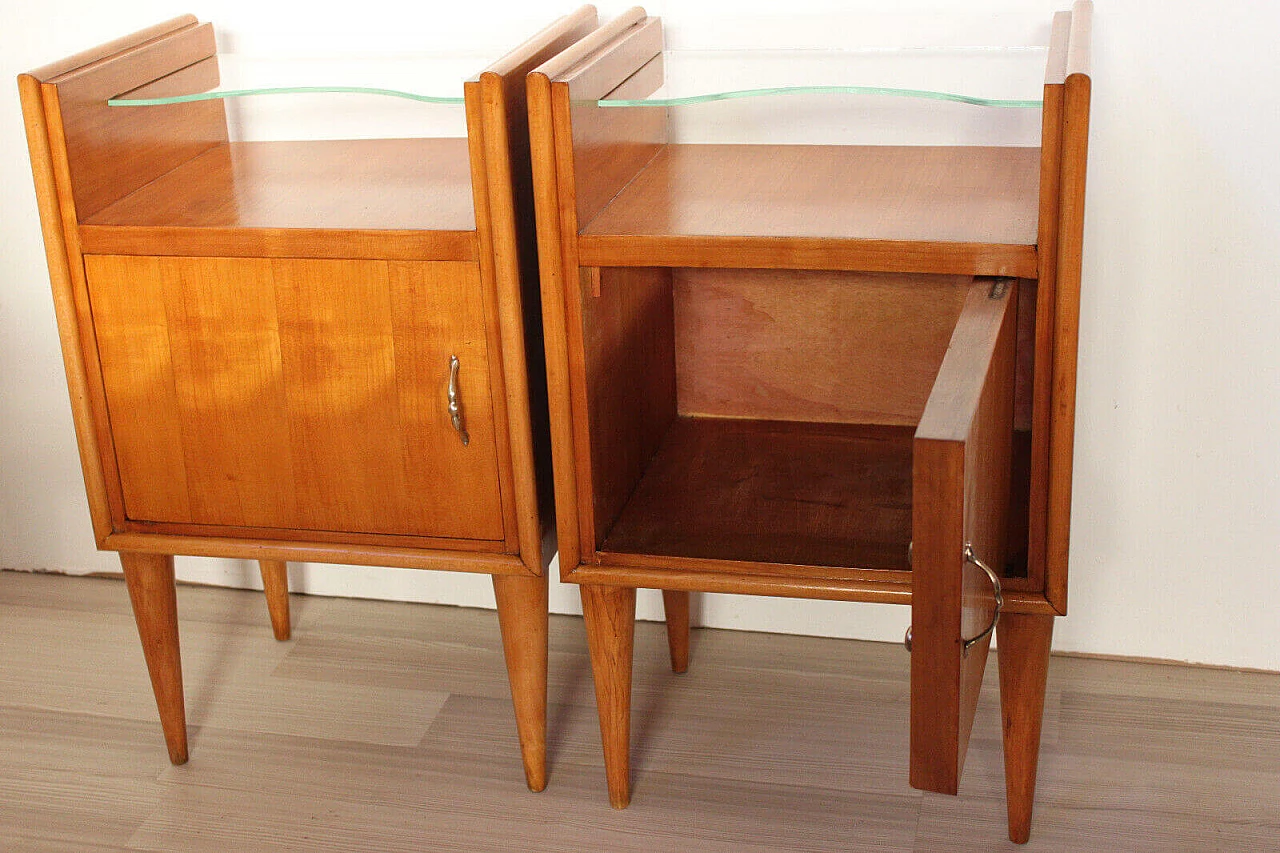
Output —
<point x="976" y="77"/>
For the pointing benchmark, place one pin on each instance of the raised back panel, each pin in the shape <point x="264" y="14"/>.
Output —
<point x="610" y="145"/>
<point x="810" y="345"/>
<point x="112" y="151"/>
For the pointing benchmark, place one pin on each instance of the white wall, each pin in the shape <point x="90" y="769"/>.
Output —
<point x="1176" y="531"/>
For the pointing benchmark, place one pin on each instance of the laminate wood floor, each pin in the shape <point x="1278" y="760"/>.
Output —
<point x="387" y="727"/>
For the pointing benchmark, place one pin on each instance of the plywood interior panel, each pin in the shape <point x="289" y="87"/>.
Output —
<point x="810" y="345"/>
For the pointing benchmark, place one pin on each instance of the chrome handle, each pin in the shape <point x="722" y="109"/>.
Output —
<point x="455" y="408"/>
<point x="970" y="556"/>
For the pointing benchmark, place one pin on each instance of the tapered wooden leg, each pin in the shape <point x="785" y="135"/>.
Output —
<point x="610" y="614"/>
<point x="275" y="583"/>
<point x="675" y="603"/>
<point x="155" y="608"/>
<point x="522" y="617"/>
<point x="1024" y="665"/>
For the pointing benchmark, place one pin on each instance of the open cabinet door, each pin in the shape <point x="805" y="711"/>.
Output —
<point x="960" y="495"/>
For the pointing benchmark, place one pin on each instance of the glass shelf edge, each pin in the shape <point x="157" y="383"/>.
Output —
<point x="922" y="94"/>
<point x="283" y="90"/>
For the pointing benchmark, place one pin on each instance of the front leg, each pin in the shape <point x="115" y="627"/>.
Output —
<point x="155" y="609"/>
<point x="610" y="614"/>
<point x="275" y="585"/>
<point x="1024" y="667"/>
<point x="522" y="617"/>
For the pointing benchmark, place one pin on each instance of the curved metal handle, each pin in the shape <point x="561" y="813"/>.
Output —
<point x="455" y="408"/>
<point x="970" y="556"/>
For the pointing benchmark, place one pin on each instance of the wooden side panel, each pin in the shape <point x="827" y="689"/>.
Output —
<point x="63" y="283"/>
<point x="112" y="151"/>
<point x="556" y="194"/>
<point x="1066" y="334"/>
<point x="502" y="136"/>
<point x="628" y="336"/>
<point x="498" y="391"/>
<point x="812" y="346"/>
<point x="961" y="470"/>
<point x="1046" y="298"/>
<point x="298" y="394"/>
<point x="1065" y="147"/>
<point x="553" y="284"/>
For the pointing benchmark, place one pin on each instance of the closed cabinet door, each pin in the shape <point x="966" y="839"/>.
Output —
<point x="298" y="394"/>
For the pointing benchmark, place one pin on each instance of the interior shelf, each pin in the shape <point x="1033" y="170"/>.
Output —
<point x="970" y="210"/>
<point x="372" y="185"/>
<point x="773" y="492"/>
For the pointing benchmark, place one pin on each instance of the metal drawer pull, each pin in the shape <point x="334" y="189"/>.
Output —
<point x="455" y="408"/>
<point x="970" y="556"/>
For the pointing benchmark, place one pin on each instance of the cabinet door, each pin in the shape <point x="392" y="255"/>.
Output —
<point x="960" y="495"/>
<point x="298" y="394"/>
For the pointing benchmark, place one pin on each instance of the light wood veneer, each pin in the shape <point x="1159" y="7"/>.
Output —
<point x="937" y="210"/>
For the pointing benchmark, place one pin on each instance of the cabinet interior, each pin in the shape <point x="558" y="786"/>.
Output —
<point x="760" y="416"/>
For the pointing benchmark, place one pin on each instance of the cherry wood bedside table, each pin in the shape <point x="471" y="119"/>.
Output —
<point x="323" y="350"/>
<point x="834" y="371"/>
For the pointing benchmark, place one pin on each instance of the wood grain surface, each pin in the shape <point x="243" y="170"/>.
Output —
<point x="809" y="345"/>
<point x="370" y="184"/>
<point x="110" y="152"/>
<point x="949" y="210"/>
<point x="630" y="376"/>
<point x="961" y="454"/>
<point x="498" y="137"/>
<point x="327" y="412"/>
<point x="773" y="492"/>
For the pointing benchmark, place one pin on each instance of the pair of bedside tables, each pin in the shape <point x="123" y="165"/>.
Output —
<point x="817" y="370"/>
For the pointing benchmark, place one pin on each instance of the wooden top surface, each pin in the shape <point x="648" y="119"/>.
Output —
<point x="375" y="184"/>
<point x="915" y="194"/>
